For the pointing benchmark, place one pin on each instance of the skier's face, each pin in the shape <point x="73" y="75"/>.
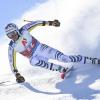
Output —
<point x="13" y="35"/>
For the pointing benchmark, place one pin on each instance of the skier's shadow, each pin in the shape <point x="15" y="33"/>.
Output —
<point x="69" y="86"/>
<point x="32" y="89"/>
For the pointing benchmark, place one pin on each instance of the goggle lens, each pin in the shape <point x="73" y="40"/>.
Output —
<point x="11" y="34"/>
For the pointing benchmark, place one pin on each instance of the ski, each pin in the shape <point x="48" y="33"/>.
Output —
<point x="4" y="82"/>
<point x="7" y="83"/>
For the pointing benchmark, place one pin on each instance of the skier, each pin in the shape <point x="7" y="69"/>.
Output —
<point x="37" y="53"/>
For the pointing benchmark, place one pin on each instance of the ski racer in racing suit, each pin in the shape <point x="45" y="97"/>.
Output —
<point x="37" y="53"/>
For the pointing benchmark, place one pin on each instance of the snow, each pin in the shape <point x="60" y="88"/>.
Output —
<point x="79" y="34"/>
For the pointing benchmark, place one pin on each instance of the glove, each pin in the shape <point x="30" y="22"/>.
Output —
<point x="19" y="78"/>
<point x="55" y="23"/>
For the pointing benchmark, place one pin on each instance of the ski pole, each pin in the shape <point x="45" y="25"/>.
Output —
<point x="27" y="21"/>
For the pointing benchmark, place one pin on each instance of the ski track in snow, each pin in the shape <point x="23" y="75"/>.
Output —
<point x="82" y="35"/>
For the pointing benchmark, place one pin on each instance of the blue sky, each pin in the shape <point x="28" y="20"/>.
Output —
<point x="13" y="9"/>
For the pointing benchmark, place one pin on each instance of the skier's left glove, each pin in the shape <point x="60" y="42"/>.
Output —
<point x="55" y="23"/>
<point x="19" y="78"/>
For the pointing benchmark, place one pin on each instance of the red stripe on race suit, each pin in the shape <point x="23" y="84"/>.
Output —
<point x="28" y="51"/>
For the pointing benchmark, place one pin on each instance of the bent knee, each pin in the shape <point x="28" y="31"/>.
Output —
<point x="33" y="61"/>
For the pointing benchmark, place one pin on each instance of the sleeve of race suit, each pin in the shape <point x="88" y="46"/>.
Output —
<point x="12" y="58"/>
<point x="34" y="24"/>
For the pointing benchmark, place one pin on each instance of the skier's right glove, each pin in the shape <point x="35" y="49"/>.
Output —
<point x="19" y="78"/>
<point x="55" y="23"/>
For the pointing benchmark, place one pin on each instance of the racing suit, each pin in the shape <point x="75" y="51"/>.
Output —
<point x="37" y="53"/>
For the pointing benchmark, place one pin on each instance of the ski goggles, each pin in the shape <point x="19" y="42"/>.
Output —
<point x="12" y="34"/>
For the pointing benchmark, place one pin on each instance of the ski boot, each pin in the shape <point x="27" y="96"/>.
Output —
<point x="66" y="72"/>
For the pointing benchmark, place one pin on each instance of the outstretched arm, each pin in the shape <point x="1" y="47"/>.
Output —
<point x="12" y="61"/>
<point x="34" y="24"/>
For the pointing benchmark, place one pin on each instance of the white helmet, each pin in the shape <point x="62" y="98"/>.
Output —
<point x="10" y="28"/>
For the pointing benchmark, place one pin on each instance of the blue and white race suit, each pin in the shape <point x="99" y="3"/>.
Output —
<point x="38" y="53"/>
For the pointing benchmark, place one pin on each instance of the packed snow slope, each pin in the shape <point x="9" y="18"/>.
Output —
<point x="79" y="34"/>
